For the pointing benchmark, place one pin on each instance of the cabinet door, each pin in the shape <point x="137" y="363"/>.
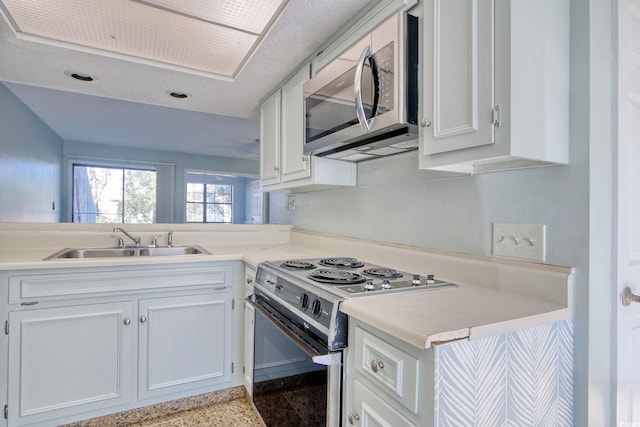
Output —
<point x="458" y="96"/>
<point x="369" y="410"/>
<point x="249" y="320"/>
<point x="295" y="165"/>
<point x="185" y="343"/>
<point x="270" y="140"/>
<point x="64" y="361"/>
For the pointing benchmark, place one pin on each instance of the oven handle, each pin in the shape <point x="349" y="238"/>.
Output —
<point x="327" y="359"/>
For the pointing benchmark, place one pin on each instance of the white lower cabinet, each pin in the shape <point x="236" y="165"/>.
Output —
<point x="81" y="346"/>
<point x="371" y="411"/>
<point x="183" y="342"/>
<point x="249" y="319"/>
<point x="463" y="383"/>
<point x="388" y="383"/>
<point x="69" y="359"/>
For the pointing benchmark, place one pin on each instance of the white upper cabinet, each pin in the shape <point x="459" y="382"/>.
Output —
<point x="295" y="165"/>
<point x="283" y="165"/>
<point x="495" y="88"/>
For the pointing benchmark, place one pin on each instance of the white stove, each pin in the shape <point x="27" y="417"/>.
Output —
<point x="308" y="291"/>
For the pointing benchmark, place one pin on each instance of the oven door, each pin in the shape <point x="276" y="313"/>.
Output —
<point x="296" y="380"/>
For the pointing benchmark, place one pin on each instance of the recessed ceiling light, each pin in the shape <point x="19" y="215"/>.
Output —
<point x="80" y="76"/>
<point x="179" y="95"/>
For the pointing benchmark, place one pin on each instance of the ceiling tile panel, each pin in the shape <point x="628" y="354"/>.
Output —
<point x="138" y="30"/>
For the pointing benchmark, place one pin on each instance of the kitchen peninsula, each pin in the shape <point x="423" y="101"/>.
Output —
<point x="496" y="298"/>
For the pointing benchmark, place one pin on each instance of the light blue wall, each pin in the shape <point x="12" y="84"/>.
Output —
<point x="30" y="155"/>
<point x="396" y="202"/>
<point x="183" y="162"/>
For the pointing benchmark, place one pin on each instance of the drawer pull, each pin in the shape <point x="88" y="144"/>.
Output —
<point x="376" y="366"/>
<point x="353" y="418"/>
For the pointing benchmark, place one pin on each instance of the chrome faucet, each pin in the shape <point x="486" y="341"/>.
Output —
<point x="136" y="240"/>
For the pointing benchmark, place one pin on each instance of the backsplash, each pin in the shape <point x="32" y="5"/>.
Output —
<point x="523" y="378"/>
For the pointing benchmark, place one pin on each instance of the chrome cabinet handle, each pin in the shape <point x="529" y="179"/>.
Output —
<point x="126" y="321"/>
<point x="249" y="280"/>
<point x="353" y="418"/>
<point x="628" y="296"/>
<point x="143" y="319"/>
<point x="376" y="366"/>
<point x="357" y="91"/>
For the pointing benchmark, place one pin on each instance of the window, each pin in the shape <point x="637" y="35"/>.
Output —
<point x="209" y="202"/>
<point x="113" y="195"/>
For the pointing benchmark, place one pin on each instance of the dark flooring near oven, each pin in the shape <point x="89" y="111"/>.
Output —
<point x="298" y="403"/>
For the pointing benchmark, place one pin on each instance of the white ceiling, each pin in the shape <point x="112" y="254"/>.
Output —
<point x="128" y="104"/>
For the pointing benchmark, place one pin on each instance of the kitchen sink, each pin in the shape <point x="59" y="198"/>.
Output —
<point x="174" y="250"/>
<point x="126" y="252"/>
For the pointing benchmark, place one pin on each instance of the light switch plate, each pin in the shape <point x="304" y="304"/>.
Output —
<point x="522" y="241"/>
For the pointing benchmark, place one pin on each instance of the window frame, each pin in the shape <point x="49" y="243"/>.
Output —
<point x="206" y="203"/>
<point x="101" y="163"/>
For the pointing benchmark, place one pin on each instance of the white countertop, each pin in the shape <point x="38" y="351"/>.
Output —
<point x="494" y="295"/>
<point x="426" y="318"/>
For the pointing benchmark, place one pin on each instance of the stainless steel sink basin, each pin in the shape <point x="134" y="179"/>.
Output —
<point x="174" y="250"/>
<point x="126" y="252"/>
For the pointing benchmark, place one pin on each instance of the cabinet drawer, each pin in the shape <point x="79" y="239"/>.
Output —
<point x="371" y="410"/>
<point x="393" y="370"/>
<point x="53" y="286"/>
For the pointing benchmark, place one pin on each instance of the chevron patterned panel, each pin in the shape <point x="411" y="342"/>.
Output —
<point x="523" y="378"/>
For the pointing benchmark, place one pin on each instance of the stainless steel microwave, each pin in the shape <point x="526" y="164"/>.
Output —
<point x="364" y="104"/>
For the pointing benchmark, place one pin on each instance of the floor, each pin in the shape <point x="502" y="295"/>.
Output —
<point x="233" y="413"/>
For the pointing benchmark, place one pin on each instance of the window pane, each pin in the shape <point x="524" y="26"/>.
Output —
<point x="113" y="195"/>
<point x="97" y="194"/>
<point x="195" y="212"/>
<point x="218" y="213"/>
<point x="139" y="196"/>
<point x="218" y="193"/>
<point x="195" y="192"/>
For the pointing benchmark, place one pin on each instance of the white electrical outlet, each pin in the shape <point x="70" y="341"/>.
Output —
<point x="291" y="203"/>
<point x="523" y="241"/>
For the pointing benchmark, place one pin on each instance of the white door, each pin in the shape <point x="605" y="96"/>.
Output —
<point x="69" y="360"/>
<point x="185" y="343"/>
<point x="459" y="68"/>
<point x="295" y="165"/>
<point x="270" y="140"/>
<point x="628" y="346"/>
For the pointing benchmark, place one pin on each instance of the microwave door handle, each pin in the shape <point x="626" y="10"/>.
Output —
<point x="357" y="91"/>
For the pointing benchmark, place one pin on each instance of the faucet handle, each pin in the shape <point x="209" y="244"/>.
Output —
<point x="120" y="241"/>
<point x="170" y="239"/>
<point x="154" y="242"/>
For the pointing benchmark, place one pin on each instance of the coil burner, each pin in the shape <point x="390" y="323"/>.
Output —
<point x="382" y="273"/>
<point x="342" y="262"/>
<point x="297" y="265"/>
<point x="336" y="277"/>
